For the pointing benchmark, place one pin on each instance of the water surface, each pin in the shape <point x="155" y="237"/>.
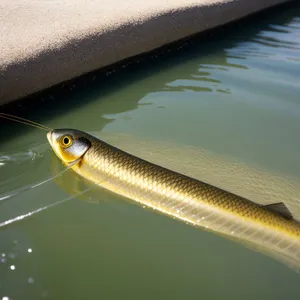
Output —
<point x="223" y="108"/>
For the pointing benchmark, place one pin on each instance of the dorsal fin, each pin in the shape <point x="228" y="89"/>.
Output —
<point x="280" y="208"/>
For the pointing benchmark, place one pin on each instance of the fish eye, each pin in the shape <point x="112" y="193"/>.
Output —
<point x="66" y="141"/>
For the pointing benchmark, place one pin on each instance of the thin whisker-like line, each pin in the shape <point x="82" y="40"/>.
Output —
<point x="29" y="187"/>
<point x="18" y="121"/>
<point x="24" y="121"/>
<point x="21" y="217"/>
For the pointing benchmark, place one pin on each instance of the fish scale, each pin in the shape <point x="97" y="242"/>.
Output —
<point x="185" y="198"/>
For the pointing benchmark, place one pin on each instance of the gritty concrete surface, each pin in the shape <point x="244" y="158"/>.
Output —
<point x="45" y="42"/>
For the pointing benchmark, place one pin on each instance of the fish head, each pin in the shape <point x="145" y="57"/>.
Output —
<point x="68" y="144"/>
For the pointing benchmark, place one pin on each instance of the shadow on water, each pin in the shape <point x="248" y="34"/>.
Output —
<point x="94" y="86"/>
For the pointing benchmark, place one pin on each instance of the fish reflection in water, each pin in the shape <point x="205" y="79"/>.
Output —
<point x="222" y="173"/>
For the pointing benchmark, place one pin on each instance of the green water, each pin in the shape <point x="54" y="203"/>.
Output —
<point x="231" y="96"/>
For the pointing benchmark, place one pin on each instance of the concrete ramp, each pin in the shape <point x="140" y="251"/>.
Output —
<point x="45" y="42"/>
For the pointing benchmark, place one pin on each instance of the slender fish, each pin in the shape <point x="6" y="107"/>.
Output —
<point x="270" y="228"/>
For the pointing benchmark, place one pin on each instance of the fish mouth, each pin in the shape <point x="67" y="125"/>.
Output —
<point x="52" y="144"/>
<point x="50" y="140"/>
<point x="49" y="137"/>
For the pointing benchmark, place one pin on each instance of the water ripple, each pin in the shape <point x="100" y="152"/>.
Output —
<point x="268" y="51"/>
<point x="19" y="164"/>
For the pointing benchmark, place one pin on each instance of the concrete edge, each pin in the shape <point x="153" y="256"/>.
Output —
<point x="87" y="53"/>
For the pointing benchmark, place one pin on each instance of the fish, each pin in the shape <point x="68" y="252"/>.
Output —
<point x="270" y="228"/>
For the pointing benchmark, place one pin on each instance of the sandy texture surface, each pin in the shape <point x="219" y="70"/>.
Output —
<point x="45" y="42"/>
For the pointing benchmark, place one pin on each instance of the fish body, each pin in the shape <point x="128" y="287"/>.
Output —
<point x="179" y="196"/>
